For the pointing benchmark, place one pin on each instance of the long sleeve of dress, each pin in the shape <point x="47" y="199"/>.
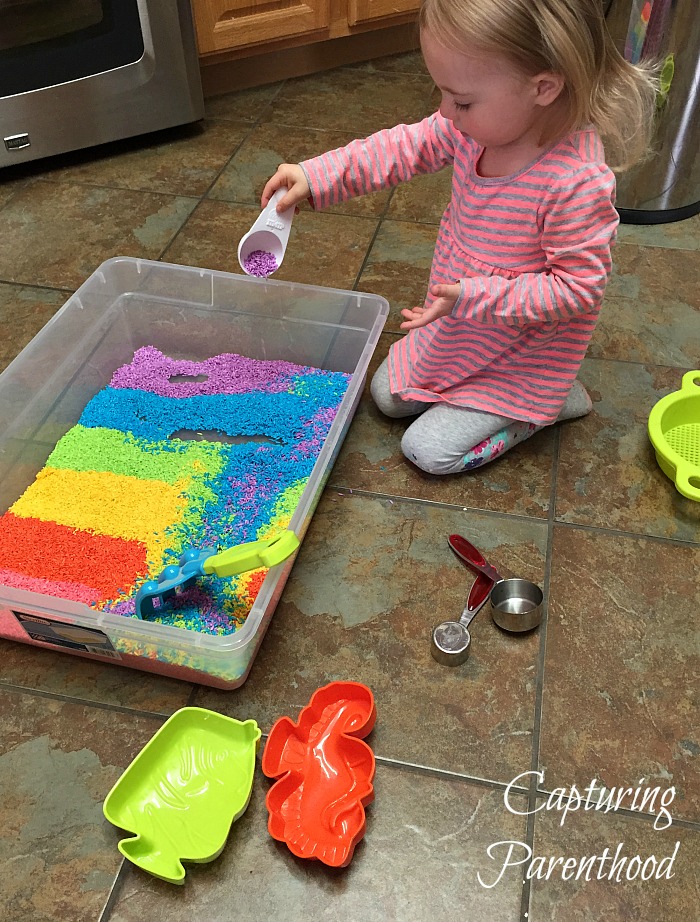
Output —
<point x="578" y="222"/>
<point x="382" y="160"/>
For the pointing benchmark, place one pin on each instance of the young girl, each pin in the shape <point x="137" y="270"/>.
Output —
<point x="522" y="257"/>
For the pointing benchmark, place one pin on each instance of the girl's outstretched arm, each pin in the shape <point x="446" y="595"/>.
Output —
<point x="380" y="161"/>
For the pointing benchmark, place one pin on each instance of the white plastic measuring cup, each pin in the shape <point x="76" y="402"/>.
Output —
<point x="268" y="236"/>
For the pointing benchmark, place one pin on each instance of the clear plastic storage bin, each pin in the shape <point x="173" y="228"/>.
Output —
<point x="186" y="313"/>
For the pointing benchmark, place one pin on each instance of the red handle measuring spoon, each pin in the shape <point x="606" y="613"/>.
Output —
<point x="479" y="593"/>
<point x="466" y="552"/>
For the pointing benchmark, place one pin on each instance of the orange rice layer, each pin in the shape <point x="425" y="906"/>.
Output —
<point x="46" y="550"/>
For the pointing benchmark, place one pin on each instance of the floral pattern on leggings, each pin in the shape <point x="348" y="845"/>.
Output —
<point x="496" y="444"/>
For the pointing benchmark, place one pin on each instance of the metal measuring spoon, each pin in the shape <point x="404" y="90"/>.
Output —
<point x="451" y="639"/>
<point x="474" y="559"/>
<point x="516" y="604"/>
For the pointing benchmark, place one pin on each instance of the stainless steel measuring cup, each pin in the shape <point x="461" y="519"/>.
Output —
<point x="451" y="639"/>
<point x="516" y="604"/>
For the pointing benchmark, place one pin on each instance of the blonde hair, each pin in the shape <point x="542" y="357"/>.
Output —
<point x="567" y="37"/>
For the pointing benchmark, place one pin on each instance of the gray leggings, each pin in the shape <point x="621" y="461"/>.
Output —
<point x="442" y="435"/>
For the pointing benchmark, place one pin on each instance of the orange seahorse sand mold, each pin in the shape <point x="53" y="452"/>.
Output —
<point x="324" y="771"/>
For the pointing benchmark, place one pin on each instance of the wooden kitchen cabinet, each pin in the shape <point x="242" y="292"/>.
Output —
<point x="224" y="25"/>
<point x="244" y="43"/>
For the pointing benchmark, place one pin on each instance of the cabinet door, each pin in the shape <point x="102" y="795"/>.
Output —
<point x="225" y="24"/>
<point x="360" y="11"/>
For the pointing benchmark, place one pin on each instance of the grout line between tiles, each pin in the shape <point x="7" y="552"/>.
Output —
<point x="82" y="702"/>
<point x="115" y="889"/>
<point x="394" y="498"/>
<point x="597" y="529"/>
<point x="623" y="241"/>
<point x="253" y="126"/>
<point x="64" y="181"/>
<point x="533" y="792"/>
<point x="642" y="364"/>
<point x="539" y="682"/>
<point x="56" y="288"/>
<point x="380" y="222"/>
<point x="204" y="196"/>
<point x="417" y="768"/>
<point x="255" y="123"/>
<point x="448" y="775"/>
<point x="539" y="686"/>
<point x="176" y="234"/>
<point x="618" y="533"/>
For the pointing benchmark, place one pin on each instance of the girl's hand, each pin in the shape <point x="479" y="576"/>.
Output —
<point x="445" y="299"/>
<point x="292" y="176"/>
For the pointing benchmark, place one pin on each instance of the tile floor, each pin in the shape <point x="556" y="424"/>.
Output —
<point x="607" y="689"/>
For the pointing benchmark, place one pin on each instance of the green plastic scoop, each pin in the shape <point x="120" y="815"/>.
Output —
<point x="184" y="790"/>
<point x="268" y="552"/>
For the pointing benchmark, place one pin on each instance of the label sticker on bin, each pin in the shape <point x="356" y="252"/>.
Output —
<point x="64" y="634"/>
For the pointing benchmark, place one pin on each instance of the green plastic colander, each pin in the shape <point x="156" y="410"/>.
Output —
<point x="674" y="430"/>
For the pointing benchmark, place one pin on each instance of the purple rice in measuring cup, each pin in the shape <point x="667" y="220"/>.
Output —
<point x="260" y="263"/>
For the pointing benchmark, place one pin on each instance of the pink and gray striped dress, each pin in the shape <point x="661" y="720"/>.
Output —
<point x="531" y="252"/>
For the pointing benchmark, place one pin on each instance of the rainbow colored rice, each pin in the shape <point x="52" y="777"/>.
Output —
<point x="125" y="491"/>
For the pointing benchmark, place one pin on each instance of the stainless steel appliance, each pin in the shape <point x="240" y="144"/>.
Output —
<point x="666" y="187"/>
<point x="74" y="73"/>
